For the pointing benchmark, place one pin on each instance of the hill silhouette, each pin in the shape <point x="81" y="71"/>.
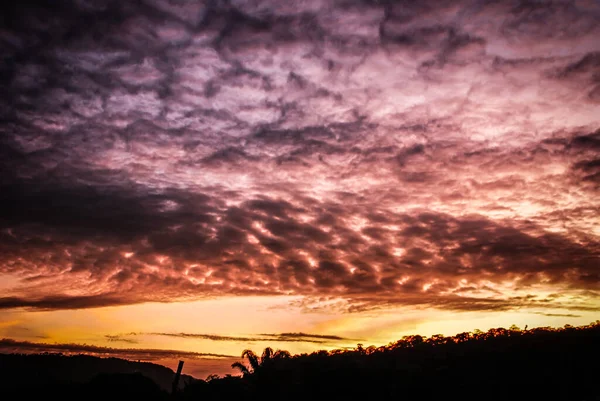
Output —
<point x="55" y="373"/>
<point x="500" y="364"/>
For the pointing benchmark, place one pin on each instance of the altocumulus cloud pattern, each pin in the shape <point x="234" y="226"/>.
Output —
<point x="360" y="154"/>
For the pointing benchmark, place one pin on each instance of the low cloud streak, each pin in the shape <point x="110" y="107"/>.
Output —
<point x="9" y="345"/>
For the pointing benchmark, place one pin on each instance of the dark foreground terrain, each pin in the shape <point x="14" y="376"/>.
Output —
<point x="71" y="377"/>
<point x="501" y="364"/>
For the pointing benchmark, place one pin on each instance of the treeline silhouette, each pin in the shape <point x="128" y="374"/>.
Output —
<point x="500" y="364"/>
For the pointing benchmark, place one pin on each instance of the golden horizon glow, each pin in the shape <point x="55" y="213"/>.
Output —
<point x="174" y="327"/>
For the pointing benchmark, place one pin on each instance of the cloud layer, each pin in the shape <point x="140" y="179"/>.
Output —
<point x="265" y="337"/>
<point x="7" y="345"/>
<point x="361" y="154"/>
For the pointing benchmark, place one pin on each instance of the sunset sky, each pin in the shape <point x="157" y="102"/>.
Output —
<point x="186" y="179"/>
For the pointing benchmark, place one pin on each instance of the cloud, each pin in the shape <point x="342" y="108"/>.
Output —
<point x="118" y="338"/>
<point x="307" y="336"/>
<point x="558" y="314"/>
<point x="60" y="302"/>
<point x="360" y="154"/>
<point x="265" y="337"/>
<point x="212" y="337"/>
<point x="8" y="345"/>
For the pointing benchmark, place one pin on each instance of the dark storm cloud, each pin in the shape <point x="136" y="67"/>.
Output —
<point x="381" y="153"/>
<point x="113" y="213"/>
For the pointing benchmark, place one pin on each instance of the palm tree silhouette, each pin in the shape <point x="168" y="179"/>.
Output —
<point x="255" y="363"/>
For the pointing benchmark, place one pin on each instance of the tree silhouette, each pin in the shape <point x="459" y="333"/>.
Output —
<point x="268" y="358"/>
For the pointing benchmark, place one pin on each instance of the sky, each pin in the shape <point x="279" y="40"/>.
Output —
<point x="188" y="179"/>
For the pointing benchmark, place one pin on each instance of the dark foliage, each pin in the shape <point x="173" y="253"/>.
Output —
<point x="501" y="364"/>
